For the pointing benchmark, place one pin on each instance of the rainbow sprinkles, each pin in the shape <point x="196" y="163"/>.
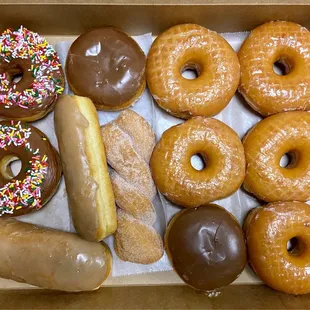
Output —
<point x="45" y="67"/>
<point x="17" y="194"/>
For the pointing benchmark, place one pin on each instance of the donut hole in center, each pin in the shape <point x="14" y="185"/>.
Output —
<point x="16" y="78"/>
<point x="295" y="246"/>
<point x="282" y="66"/>
<point x="10" y="166"/>
<point x="199" y="162"/>
<point x="190" y="71"/>
<point x="15" y="75"/>
<point x="289" y="160"/>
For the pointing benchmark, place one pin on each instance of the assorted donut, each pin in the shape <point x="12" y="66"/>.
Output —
<point x="40" y="171"/>
<point x="112" y="172"/>
<point x="221" y="150"/>
<point x="279" y="43"/>
<point x="25" y="54"/>
<point x="192" y="47"/>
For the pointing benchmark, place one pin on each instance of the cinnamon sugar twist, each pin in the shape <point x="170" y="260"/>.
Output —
<point x="129" y="142"/>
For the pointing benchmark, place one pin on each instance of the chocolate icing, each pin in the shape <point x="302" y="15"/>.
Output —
<point x="206" y="246"/>
<point x="106" y="65"/>
<point x="37" y="140"/>
<point x="22" y="66"/>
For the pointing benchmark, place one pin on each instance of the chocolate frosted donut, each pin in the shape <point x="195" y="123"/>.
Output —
<point x="40" y="171"/>
<point x="206" y="247"/>
<point x="108" y="66"/>
<point x="27" y="55"/>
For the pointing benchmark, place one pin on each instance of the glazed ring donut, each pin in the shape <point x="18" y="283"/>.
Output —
<point x="40" y="171"/>
<point x="264" y="146"/>
<point x="23" y="52"/>
<point x="264" y="90"/>
<point x="218" y="145"/>
<point x="190" y="46"/>
<point x="268" y="230"/>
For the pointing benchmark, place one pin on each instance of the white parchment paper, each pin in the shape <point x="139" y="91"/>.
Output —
<point x="237" y="115"/>
<point x="56" y="213"/>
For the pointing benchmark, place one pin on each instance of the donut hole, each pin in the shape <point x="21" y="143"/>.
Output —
<point x="199" y="162"/>
<point x="15" y="74"/>
<point x="16" y="167"/>
<point x="190" y="71"/>
<point x="10" y="166"/>
<point x="16" y="78"/>
<point x="282" y="66"/>
<point x="295" y="246"/>
<point x="289" y="160"/>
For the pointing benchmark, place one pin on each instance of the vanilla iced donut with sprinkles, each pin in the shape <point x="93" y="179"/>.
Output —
<point x="31" y="77"/>
<point x="40" y="171"/>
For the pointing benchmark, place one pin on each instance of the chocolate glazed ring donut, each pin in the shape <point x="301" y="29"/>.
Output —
<point x="108" y="66"/>
<point x="40" y="173"/>
<point x="190" y="46"/>
<point x="206" y="247"/>
<point x="26" y="55"/>
<point x="223" y="156"/>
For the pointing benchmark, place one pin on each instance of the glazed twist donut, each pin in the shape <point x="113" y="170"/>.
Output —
<point x="129" y="142"/>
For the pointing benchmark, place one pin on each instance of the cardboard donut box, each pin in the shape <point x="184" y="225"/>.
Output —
<point x="58" y="20"/>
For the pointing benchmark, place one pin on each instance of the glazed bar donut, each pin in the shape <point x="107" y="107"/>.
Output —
<point x="266" y="91"/>
<point x="40" y="171"/>
<point x="264" y="146"/>
<point x="219" y="146"/>
<point x="82" y="152"/>
<point x="23" y="52"/>
<point x="190" y="46"/>
<point x="268" y="230"/>
<point x="108" y="66"/>
<point x="51" y="259"/>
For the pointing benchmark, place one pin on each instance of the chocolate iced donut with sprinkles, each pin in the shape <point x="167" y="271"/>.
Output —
<point x="40" y="171"/>
<point x="31" y="77"/>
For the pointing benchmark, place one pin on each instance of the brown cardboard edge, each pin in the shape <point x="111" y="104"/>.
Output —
<point x="154" y="297"/>
<point x="158" y="2"/>
<point x="55" y="19"/>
